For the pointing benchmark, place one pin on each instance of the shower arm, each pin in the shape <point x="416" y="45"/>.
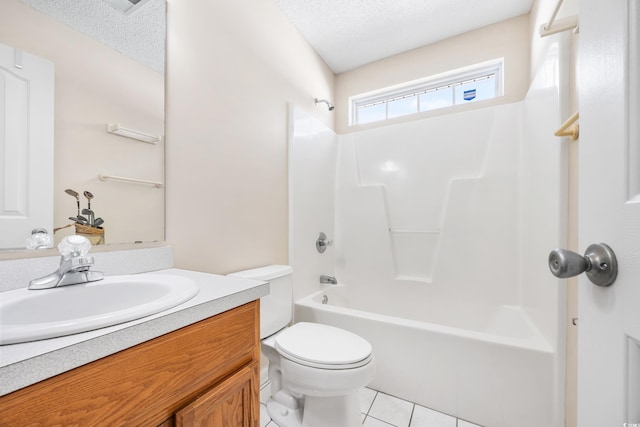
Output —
<point x="324" y="101"/>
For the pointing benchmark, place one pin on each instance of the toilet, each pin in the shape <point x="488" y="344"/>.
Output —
<point x="315" y="370"/>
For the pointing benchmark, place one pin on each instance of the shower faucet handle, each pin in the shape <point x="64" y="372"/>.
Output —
<point x="599" y="263"/>
<point x="322" y="242"/>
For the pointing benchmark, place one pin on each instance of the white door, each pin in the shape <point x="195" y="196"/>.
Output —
<point x="26" y="146"/>
<point x="609" y="211"/>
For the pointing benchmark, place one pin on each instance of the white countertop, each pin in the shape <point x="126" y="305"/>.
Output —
<point x="24" y="364"/>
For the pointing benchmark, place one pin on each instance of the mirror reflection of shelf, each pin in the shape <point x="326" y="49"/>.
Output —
<point x="104" y="177"/>
<point x="117" y="129"/>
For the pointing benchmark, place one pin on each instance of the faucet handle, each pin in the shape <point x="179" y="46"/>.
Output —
<point x="74" y="246"/>
<point x="322" y="242"/>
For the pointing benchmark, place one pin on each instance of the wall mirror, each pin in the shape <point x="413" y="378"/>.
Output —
<point x="108" y="65"/>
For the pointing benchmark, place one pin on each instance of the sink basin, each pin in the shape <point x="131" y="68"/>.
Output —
<point x="30" y="315"/>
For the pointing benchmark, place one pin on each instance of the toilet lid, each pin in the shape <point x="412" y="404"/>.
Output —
<point x="318" y="345"/>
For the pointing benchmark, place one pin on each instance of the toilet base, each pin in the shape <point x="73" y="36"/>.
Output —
<point x="283" y="416"/>
<point x="340" y="411"/>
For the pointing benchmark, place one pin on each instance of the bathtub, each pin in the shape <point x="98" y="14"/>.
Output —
<point x="488" y="365"/>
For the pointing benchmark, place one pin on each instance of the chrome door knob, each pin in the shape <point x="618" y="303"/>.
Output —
<point x="564" y="263"/>
<point x="599" y="262"/>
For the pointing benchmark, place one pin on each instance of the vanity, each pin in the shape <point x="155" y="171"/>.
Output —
<point x="194" y="364"/>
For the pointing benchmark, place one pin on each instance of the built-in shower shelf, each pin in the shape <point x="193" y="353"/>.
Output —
<point x="414" y="253"/>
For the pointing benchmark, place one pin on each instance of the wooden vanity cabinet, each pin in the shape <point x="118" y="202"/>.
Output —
<point x="205" y="374"/>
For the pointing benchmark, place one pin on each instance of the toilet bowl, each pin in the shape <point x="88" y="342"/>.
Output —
<point x="315" y="370"/>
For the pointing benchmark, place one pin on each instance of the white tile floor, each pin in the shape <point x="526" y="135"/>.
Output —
<point x="381" y="410"/>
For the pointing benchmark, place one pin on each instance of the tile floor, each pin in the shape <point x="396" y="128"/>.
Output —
<point x="381" y="410"/>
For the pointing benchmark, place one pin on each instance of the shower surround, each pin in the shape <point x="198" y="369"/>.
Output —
<point x="441" y="230"/>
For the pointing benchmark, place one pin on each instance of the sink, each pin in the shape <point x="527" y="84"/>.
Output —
<point x="30" y="315"/>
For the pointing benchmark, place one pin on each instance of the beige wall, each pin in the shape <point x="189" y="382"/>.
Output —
<point x="96" y="85"/>
<point x="232" y="69"/>
<point x="508" y="39"/>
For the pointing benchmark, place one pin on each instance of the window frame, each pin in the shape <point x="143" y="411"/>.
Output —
<point x="416" y="88"/>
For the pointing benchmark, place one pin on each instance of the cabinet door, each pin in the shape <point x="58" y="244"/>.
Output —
<point x="229" y="404"/>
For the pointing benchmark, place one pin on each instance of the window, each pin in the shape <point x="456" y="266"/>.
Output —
<point x="471" y="84"/>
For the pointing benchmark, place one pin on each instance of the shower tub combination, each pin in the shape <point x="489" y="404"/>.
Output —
<point x="488" y="365"/>
<point x="442" y="228"/>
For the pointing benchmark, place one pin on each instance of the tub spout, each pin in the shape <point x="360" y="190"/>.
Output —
<point x="328" y="279"/>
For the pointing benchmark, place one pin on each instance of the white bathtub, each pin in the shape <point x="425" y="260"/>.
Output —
<point x="487" y="365"/>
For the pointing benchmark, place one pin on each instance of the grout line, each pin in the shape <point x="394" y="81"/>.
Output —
<point x="382" y="421"/>
<point x="413" y="409"/>
<point x="366" y="415"/>
<point x="372" y="400"/>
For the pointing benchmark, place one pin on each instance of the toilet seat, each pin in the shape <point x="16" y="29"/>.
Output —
<point x="322" y="346"/>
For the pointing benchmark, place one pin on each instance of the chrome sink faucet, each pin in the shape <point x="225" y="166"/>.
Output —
<point x="74" y="265"/>
<point x="328" y="279"/>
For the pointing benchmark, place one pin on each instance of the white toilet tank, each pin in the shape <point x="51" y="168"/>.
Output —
<point x="276" y="309"/>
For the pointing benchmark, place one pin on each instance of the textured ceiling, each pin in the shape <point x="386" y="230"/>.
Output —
<point x="351" y="33"/>
<point x="345" y="33"/>
<point x="140" y="35"/>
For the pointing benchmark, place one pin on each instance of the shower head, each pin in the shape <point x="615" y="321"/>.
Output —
<point x="329" y="105"/>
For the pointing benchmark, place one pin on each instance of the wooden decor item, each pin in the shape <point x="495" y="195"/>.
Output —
<point x="95" y="235"/>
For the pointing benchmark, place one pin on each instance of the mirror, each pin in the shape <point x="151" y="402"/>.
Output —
<point x="108" y="70"/>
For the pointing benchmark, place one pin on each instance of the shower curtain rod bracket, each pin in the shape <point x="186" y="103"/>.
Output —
<point x="566" y="24"/>
<point x="553" y="27"/>
<point x="570" y="128"/>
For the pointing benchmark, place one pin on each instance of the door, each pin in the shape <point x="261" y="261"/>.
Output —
<point x="26" y="145"/>
<point x="609" y="211"/>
